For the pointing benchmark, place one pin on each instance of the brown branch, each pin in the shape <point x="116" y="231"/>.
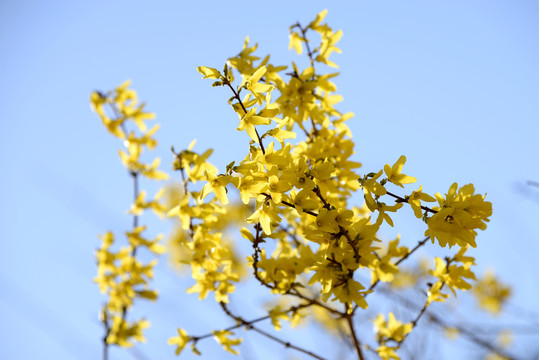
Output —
<point x="472" y="336"/>
<point x="237" y="97"/>
<point x="310" y="301"/>
<point x="292" y="290"/>
<point x="105" y="344"/>
<point x="357" y="344"/>
<point x="419" y="244"/>
<point x="306" y="41"/>
<point x="233" y="327"/>
<point x="292" y="206"/>
<point x="374" y="284"/>
<point x="185" y="182"/>
<point x="487" y="345"/>
<point x="403" y="200"/>
<point x="316" y="190"/>
<point x="134" y="175"/>
<point x="256" y="249"/>
<point x="315" y="130"/>
<point x="250" y="326"/>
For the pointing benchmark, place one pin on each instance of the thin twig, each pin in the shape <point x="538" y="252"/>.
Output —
<point x="403" y="200"/>
<point x="250" y="326"/>
<point x="237" y="96"/>
<point x="419" y="244"/>
<point x="357" y="344"/>
<point x="290" y="291"/>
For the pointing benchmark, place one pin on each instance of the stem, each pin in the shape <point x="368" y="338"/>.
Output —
<point x="292" y="206"/>
<point x="472" y="336"/>
<point x="134" y="175"/>
<point x="419" y="244"/>
<point x="105" y="348"/>
<point x="256" y="249"/>
<point x="250" y="326"/>
<point x="135" y="195"/>
<point x="304" y="37"/>
<point x="291" y="291"/>
<point x="403" y="200"/>
<point x="237" y="97"/>
<point x="354" y="336"/>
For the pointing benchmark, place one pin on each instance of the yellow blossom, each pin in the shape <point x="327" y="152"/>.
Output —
<point x="415" y="199"/>
<point x="394" y="174"/>
<point x="222" y="337"/>
<point x="180" y="340"/>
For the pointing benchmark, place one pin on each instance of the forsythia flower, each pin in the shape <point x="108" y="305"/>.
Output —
<point x="248" y="122"/>
<point x="267" y="215"/>
<point x="209" y="72"/>
<point x="296" y="42"/>
<point x="491" y="293"/>
<point x="392" y="329"/>
<point x="252" y="84"/>
<point x="458" y="216"/>
<point x="394" y="174"/>
<point x="180" y="340"/>
<point x="371" y="186"/>
<point x="415" y="199"/>
<point x="222" y="338"/>
<point x="121" y="332"/>
<point x="217" y="185"/>
<point x="120" y="274"/>
<point x="384" y="269"/>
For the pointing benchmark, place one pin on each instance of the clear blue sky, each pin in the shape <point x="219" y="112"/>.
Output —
<point x="453" y="85"/>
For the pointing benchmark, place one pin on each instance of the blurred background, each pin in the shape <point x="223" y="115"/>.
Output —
<point x="452" y="85"/>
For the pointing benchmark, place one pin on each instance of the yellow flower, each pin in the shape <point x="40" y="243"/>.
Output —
<point x="180" y="341"/>
<point x="371" y="186"/>
<point x="277" y="188"/>
<point x="248" y="122"/>
<point x="140" y="204"/>
<point x="327" y="46"/>
<point x="392" y="329"/>
<point x="267" y="215"/>
<point x="491" y="293"/>
<point x="394" y="173"/>
<point x="217" y="185"/>
<point x="302" y="201"/>
<point x="296" y="42"/>
<point x="252" y="84"/>
<point x="122" y="332"/>
<point x="415" y="199"/>
<point x="458" y="216"/>
<point x="209" y="72"/>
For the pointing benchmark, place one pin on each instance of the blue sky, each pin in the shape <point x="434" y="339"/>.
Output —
<point x="452" y="85"/>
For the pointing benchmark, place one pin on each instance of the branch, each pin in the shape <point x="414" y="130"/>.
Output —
<point x="291" y="291"/>
<point x="250" y="326"/>
<point x="419" y="244"/>
<point x="354" y="336"/>
<point x="471" y="336"/>
<point x="306" y="41"/>
<point x="237" y="97"/>
<point x="403" y="200"/>
<point x="374" y="284"/>
<point x="487" y="345"/>
<point x="293" y="207"/>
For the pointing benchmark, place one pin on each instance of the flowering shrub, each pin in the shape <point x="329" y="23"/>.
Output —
<point x="292" y="192"/>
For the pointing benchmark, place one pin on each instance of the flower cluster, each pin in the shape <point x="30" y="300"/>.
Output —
<point x="292" y="199"/>
<point x="120" y="274"/>
<point x="301" y="192"/>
